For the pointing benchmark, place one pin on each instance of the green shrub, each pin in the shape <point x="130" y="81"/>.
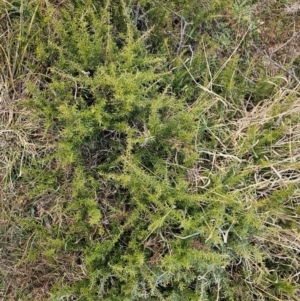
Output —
<point x="162" y="172"/>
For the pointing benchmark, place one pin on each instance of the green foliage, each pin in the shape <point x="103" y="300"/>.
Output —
<point x="157" y="181"/>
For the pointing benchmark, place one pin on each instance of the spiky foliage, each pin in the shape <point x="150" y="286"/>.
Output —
<point x="150" y="154"/>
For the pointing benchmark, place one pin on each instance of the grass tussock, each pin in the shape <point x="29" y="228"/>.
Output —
<point x="149" y="150"/>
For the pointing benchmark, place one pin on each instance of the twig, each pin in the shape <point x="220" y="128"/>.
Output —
<point x="183" y="26"/>
<point x="225" y="233"/>
<point x="278" y="65"/>
<point x="284" y="44"/>
<point x="136" y="12"/>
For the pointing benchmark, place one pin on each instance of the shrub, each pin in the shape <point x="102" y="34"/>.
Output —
<point x="165" y="162"/>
